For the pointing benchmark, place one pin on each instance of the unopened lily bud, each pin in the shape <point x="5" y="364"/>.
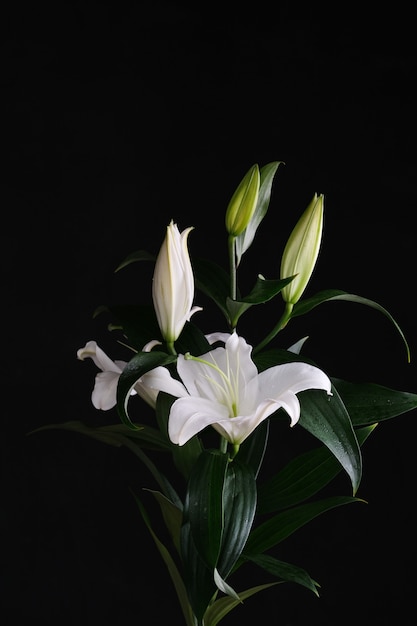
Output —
<point x="301" y="251"/>
<point x="243" y="202"/>
<point x="173" y="284"/>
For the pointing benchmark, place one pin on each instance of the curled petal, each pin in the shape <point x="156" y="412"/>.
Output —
<point x="102" y="361"/>
<point x="105" y="389"/>
<point x="188" y="416"/>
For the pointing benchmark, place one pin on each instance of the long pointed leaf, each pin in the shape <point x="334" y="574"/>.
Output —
<point x="252" y="450"/>
<point x="369" y="403"/>
<point x="285" y="571"/>
<point x="204" y="508"/>
<point x="239" y="505"/>
<point x="327" y="419"/>
<point x="243" y="241"/>
<point x="302" y="478"/>
<point x="263" y="290"/>
<point x="222" y="607"/>
<point x="304" y="306"/>
<point x="172" y="569"/>
<point x="282" y="525"/>
<point x="138" y="366"/>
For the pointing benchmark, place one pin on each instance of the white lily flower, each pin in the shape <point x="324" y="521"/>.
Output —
<point x="173" y="284"/>
<point x="226" y="391"/>
<point x="104" y="395"/>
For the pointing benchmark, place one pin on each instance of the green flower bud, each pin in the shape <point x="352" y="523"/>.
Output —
<point x="243" y="202"/>
<point x="301" y="251"/>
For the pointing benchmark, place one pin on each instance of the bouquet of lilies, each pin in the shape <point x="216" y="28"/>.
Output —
<point x="213" y="396"/>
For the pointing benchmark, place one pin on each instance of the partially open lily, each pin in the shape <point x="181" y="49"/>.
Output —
<point x="173" y="284"/>
<point x="226" y="391"/>
<point x="105" y="388"/>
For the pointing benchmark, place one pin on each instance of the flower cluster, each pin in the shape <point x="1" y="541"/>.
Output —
<point x="213" y="385"/>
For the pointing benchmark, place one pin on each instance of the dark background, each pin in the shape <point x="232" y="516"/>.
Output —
<point x="119" y="119"/>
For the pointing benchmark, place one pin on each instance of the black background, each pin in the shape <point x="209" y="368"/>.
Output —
<point x="119" y="119"/>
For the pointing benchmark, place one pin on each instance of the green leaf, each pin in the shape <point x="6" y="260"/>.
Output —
<point x="113" y="436"/>
<point x="212" y="280"/>
<point x="280" y="526"/>
<point x="285" y="571"/>
<point x="204" y="506"/>
<point x="277" y="356"/>
<point x="239" y="505"/>
<point x="304" y="306"/>
<point x="245" y="239"/>
<point x="252" y="450"/>
<point x="326" y="418"/>
<point x="172" y="516"/>
<point x="133" y="257"/>
<point x="184" y="456"/>
<point x="369" y="403"/>
<point x="172" y="569"/>
<point x="198" y="577"/>
<point x="222" y="607"/>
<point x="138" y="366"/>
<point x="263" y="291"/>
<point x="192" y="340"/>
<point x="302" y="477"/>
<point x="138" y="323"/>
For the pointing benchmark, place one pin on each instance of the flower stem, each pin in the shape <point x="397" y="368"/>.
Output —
<point x="171" y="348"/>
<point x="232" y="265"/>
<point x="282" y="322"/>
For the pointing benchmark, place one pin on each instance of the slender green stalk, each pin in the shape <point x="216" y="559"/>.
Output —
<point x="232" y="265"/>
<point x="171" y="348"/>
<point x="282" y="322"/>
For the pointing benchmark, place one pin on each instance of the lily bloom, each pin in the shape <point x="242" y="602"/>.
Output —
<point x="105" y="388"/>
<point x="225" y="390"/>
<point x="173" y="284"/>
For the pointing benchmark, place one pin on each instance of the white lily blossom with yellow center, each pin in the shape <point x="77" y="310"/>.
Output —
<point x="226" y="391"/>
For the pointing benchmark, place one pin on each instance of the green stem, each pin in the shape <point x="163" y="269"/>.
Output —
<point x="171" y="348"/>
<point x="232" y="265"/>
<point x="223" y="445"/>
<point x="282" y="322"/>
